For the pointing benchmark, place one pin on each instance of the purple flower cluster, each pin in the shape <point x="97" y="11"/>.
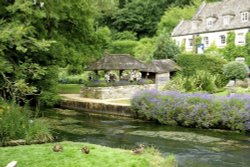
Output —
<point x="201" y="110"/>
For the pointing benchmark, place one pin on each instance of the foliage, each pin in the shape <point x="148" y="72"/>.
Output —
<point x="42" y="155"/>
<point x="214" y="50"/>
<point x="190" y="63"/>
<point x="204" y="81"/>
<point x="201" y="81"/>
<point x="173" y="15"/>
<point x="230" y="52"/>
<point x="35" y="40"/>
<point x="176" y="83"/>
<point x="144" y="50"/>
<point x="235" y="70"/>
<point x="16" y="123"/>
<point x="104" y="37"/>
<point x="125" y="35"/>
<point x="140" y="16"/>
<point x="194" y="110"/>
<point x="165" y="47"/>
<point x="123" y="47"/>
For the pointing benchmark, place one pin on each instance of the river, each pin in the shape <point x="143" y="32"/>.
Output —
<point x="192" y="147"/>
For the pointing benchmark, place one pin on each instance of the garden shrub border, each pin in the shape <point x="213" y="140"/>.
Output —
<point x="200" y="110"/>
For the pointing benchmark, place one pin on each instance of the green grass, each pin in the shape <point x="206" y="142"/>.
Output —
<point x="100" y="156"/>
<point x="237" y="90"/>
<point x="69" y="88"/>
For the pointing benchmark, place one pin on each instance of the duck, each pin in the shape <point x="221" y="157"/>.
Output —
<point x="58" y="148"/>
<point x="138" y="150"/>
<point x="85" y="150"/>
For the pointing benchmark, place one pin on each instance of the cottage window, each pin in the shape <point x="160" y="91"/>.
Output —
<point x="226" y="20"/>
<point x="223" y="39"/>
<point x="190" y="42"/>
<point x="206" y="41"/>
<point x="241" y="38"/>
<point x="244" y="16"/>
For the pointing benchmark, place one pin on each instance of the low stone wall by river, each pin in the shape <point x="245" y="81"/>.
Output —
<point x="114" y="92"/>
<point x="100" y="108"/>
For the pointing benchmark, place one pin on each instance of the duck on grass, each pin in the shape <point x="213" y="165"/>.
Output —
<point x="42" y="155"/>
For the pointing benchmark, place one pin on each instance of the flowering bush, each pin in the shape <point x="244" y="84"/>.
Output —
<point x="200" y="110"/>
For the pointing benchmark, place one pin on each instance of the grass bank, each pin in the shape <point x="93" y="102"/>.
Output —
<point x="69" y="88"/>
<point x="99" y="156"/>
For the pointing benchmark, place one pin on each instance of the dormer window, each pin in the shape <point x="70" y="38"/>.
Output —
<point x="244" y="16"/>
<point x="226" y="20"/>
<point x="210" y="21"/>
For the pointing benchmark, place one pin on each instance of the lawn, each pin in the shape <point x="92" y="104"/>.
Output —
<point x="69" y="88"/>
<point x="99" y="156"/>
<point x="237" y="90"/>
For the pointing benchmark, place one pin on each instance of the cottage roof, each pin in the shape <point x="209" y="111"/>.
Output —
<point x="162" y="66"/>
<point x="116" y="62"/>
<point x="217" y="10"/>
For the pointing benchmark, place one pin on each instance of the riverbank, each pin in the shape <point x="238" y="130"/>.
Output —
<point x="43" y="156"/>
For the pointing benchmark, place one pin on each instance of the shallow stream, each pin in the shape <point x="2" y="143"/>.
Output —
<point x="192" y="147"/>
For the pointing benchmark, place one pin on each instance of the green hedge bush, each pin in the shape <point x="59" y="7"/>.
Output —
<point x="190" y="63"/>
<point x="235" y="70"/>
<point x="123" y="46"/>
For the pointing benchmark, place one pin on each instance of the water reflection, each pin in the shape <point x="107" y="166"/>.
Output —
<point x="192" y="147"/>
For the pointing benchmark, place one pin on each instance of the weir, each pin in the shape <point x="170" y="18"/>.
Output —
<point x="109" y="107"/>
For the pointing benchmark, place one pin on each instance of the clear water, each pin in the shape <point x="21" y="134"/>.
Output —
<point x="192" y="147"/>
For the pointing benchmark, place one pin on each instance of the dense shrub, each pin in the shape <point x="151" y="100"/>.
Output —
<point x="176" y="83"/>
<point x="194" y="109"/>
<point x="123" y="46"/>
<point x="202" y="81"/>
<point x="125" y="35"/>
<point x="190" y="63"/>
<point x="16" y="123"/>
<point x="235" y="70"/>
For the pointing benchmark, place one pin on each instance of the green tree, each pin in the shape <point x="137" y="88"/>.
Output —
<point x="140" y="16"/>
<point x="144" y="50"/>
<point x="35" y="39"/>
<point x="173" y="16"/>
<point x="165" y="47"/>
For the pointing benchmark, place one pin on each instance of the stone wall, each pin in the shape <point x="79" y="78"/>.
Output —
<point x="100" y="108"/>
<point x="162" y="79"/>
<point x="114" y="92"/>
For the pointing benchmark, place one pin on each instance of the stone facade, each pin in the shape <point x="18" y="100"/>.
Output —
<point x="162" y="79"/>
<point x="114" y="92"/>
<point x="212" y="22"/>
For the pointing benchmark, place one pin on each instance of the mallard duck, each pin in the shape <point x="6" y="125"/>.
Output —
<point x="85" y="150"/>
<point x="57" y="148"/>
<point x="138" y="150"/>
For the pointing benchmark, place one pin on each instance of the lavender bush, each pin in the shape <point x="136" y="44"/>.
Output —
<point x="194" y="109"/>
